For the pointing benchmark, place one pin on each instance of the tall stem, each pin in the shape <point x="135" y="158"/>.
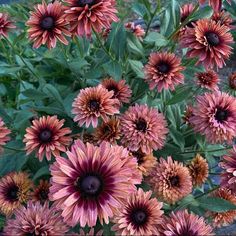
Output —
<point x="202" y="151"/>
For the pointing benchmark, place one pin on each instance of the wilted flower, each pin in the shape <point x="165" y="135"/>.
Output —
<point x="143" y="128"/>
<point x="35" y="219"/>
<point x="163" y="71"/>
<point x="215" y="117"/>
<point x="92" y="183"/>
<point x="40" y="193"/>
<point x="14" y="191"/>
<point x="47" y="137"/>
<point x="4" y="132"/>
<point x="170" y="180"/>
<point x="223" y="18"/>
<point x="137" y="30"/>
<point x="210" y="42"/>
<point x="139" y="215"/>
<point x="208" y="80"/>
<point x="5" y="24"/>
<point x="47" y="24"/>
<point x="87" y="15"/>
<point x="92" y="103"/>
<point x="232" y="81"/>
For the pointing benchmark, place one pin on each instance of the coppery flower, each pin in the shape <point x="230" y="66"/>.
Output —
<point x="215" y="4"/>
<point x="36" y="219"/>
<point x="163" y="71"/>
<point x="215" y="117"/>
<point x="92" y="103"/>
<point x="139" y="215"/>
<point x="198" y="169"/>
<point x="40" y="193"/>
<point x="87" y="186"/>
<point x="47" y="137"/>
<point x="187" y="114"/>
<point x="208" y="80"/>
<point x="210" y="42"/>
<point x="227" y="217"/>
<point x="4" y="132"/>
<point x="108" y="131"/>
<point x="137" y="30"/>
<point x="143" y="128"/>
<point x="146" y="162"/>
<point x="87" y="15"/>
<point x="14" y="191"/>
<point x="182" y="223"/>
<point x="89" y="138"/>
<point x="170" y="180"/>
<point x="223" y="18"/>
<point x="47" y="24"/>
<point x="121" y="90"/>
<point x="232" y="81"/>
<point x="5" y="24"/>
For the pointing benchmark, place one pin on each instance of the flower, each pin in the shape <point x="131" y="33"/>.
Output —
<point x="215" y="117"/>
<point x="41" y="192"/>
<point x="92" y="103"/>
<point x="121" y="90"/>
<point x="163" y="71"/>
<point x="5" y="24"/>
<point x="215" y="4"/>
<point x="228" y="175"/>
<point x="223" y="18"/>
<point x="208" y="80"/>
<point x="47" y="137"/>
<point x="36" y="219"/>
<point x="14" y="190"/>
<point x="137" y="30"/>
<point x="4" y="132"/>
<point x="170" y="180"/>
<point x="87" y="15"/>
<point x="92" y="183"/>
<point x="146" y="162"/>
<point x="227" y="217"/>
<point x="187" y="114"/>
<point x="198" y="169"/>
<point x="210" y="42"/>
<point x="140" y="215"/>
<point x="47" y="24"/>
<point x="108" y="131"/>
<point x="184" y="223"/>
<point x="90" y="233"/>
<point x="143" y="128"/>
<point x="89" y="138"/>
<point x="232" y="81"/>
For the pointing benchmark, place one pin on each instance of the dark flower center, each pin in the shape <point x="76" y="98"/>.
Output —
<point x="163" y="67"/>
<point x="139" y="156"/>
<point x="83" y="3"/>
<point x="90" y="185"/>
<point x="139" y="217"/>
<point x="43" y="195"/>
<point x="94" y="105"/>
<point x="174" y="181"/>
<point x="221" y="115"/>
<point x="47" y="23"/>
<point x="114" y="89"/>
<point x="30" y="234"/>
<point x="141" y="125"/>
<point x="45" y="136"/>
<point x="212" y="38"/>
<point x="12" y="193"/>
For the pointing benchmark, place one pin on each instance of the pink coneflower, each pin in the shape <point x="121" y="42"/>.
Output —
<point x="208" y="80"/>
<point x="223" y="18"/>
<point x="92" y="103"/>
<point x="228" y="175"/>
<point x="47" y="137"/>
<point x="140" y="215"/>
<point x="182" y="223"/>
<point x="215" y="4"/>
<point x="137" y="30"/>
<point x="121" y="90"/>
<point x="92" y="183"/>
<point x="215" y="117"/>
<point x="5" y="24"/>
<point x="14" y="191"/>
<point x="170" y="180"/>
<point x="210" y="42"/>
<point x="4" y="132"/>
<point x="87" y="15"/>
<point x="35" y="219"/>
<point x="143" y="128"/>
<point x="47" y="24"/>
<point x="163" y="71"/>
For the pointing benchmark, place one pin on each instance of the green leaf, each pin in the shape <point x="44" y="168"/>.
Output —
<point x="203" y="12"/>
<point x="34" y="94"/>
<point x="179" y="96"/>
<point x="41" y="172"/>
<point x="157" y="38"/>
<point x="114" y="69"/>
<point x="216" y="204"/>
<point x="137" y="67"/>
<point x="177" y="137"/>
<point x="22" y="118"/>
<point x="135" y="46"/>
<point x="139" y="9"/>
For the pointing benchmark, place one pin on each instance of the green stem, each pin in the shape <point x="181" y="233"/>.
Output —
<point x="203" y="151"/>
<point x="13" y="149"/>
<point x="22" y="59"/>
<point x="209" y="191"/>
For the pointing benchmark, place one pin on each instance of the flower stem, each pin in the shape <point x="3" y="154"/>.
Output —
<point x="13" y="149"/>
<point x="202" y="151"/>
<point x="209" y="191"/>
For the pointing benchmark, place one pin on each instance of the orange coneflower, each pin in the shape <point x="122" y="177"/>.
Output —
<point x="163" y="71"/>
<point x="5" y="24"/>
<point x="14" y="191"/>
<point x="47" y="24"/>
<point x="208" y="80"/>
<point x="47" y="137"/>
<point x="4" y="132"/>
<point x="139" y="215"/>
